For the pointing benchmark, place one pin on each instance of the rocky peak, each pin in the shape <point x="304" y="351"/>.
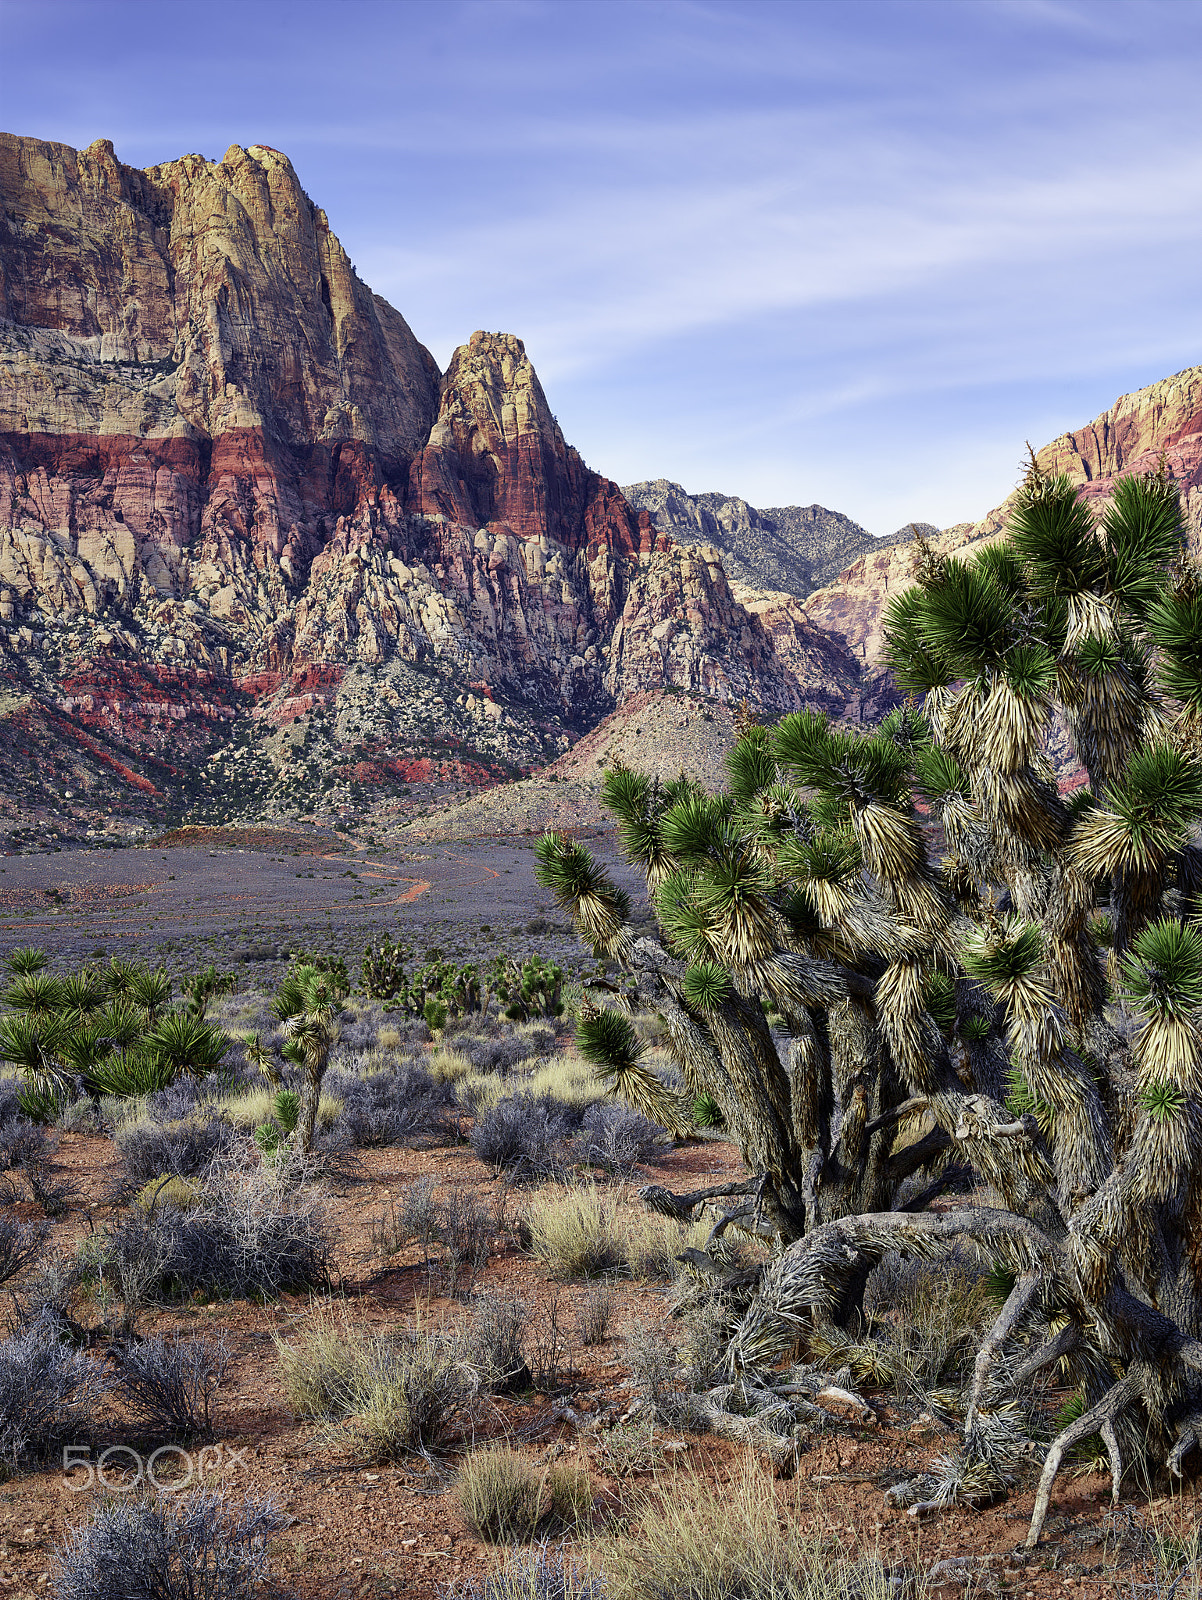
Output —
<point x="497" y="456"/>
<point x="221" y="276"/>
<point x="1161" y="422"/>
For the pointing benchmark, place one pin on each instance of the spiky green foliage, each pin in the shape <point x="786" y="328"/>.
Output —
<point x="1164" y="972"/>
<point x="1141" y="531"/>
<point x="706" y="986"/>
<point x="25" y="960"/>
<point x="1175" y="627"/>
<point x="1002" y="960"/>
<point x="916" y="667"/>
<point x="181" y="1042"/>
<point x="36" y="993"/>
<point x="580" y="886"/>
<point x="751" y="765"/>
<point x="1052" y="532"/>
<point x="608" y="1042"/>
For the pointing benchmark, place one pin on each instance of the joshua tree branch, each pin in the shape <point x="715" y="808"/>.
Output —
<point x="1018" y="1303"/>
<point x="1067" y="1339"/>
<point x="1114" y="1401"/>
<point x="681" y="1206"/>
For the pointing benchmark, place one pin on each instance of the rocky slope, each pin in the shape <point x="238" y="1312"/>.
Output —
<point x="237" y="495"/>
<point x="795" y="549"/>
<point x="1161" y="422"/>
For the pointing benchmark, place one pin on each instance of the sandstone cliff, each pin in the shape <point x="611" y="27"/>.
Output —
<point x="232" y="483"/>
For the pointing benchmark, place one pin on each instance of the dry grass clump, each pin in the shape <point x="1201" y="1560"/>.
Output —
<point x="568" y="1078"/>
<point x="716" y="1541"/>
<point x="448" y="1066"/>
<point x="504" y="1498"/>
<point x="182" y="1193"/>
<point x="570" y="1497"/>
<point x="577" y="1233"/>
<point x="478" y="1092"/>
<point x="500" y="1495"/>
<point x="594" y="1314"/>
<point x="932" y="1315"/>
<point x="247" y="1109"/>
<point x="386" y="1396"/>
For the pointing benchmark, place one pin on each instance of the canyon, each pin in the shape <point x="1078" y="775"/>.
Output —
<point x="260" y="557"/>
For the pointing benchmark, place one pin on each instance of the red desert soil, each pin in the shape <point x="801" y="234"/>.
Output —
<point x="361" y="1529"/>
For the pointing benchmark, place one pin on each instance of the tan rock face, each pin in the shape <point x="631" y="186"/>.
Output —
<point x="222" y="455"/>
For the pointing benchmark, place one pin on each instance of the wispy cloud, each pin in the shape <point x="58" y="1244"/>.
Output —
<point x="846" y="250"/>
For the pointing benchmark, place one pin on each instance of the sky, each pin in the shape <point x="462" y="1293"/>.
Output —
<point x="853" y="253"/>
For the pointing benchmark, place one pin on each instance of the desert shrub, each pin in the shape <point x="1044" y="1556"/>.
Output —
<point x="52" y="1294"/>
<point x="247" y="1235"/>
<point x="574" y="1233"/>
<point x="411" y="1220"/>
<point x="464" y="1228"/>
<point x="49" y="1393"/>
<point x="524" y="1135"/>
<point x="392" y="1107"/>
<point x="389" y="1396"/>
<point x="716" y="1541"/>
<point x="652" y="1363"/>
<point x="169" y="1383"/>
<point x="20" y="1245"/>
<point x="22" y="1143"/>
<point x="27" y="1150"/>
<point x="10" y="1100"/>
<point x="539" y="1574"/>
<point x="80" y="1116"/>
<point x="199" y="1546"/>
<point x="500" y="1494"/>
<point x="499" y="1055"/>
<point x="616" y="1137"/>
<point x="633" y="1446"/>
<point x="359" y="1032"/>
<point x="594" y="1313"/>
<point x="496" y="1339"/>
<point x="180" y="1148"/>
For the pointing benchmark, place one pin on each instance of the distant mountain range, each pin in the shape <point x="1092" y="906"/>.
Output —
<point x="259" y="557"/>
<point x="796" y="549"/>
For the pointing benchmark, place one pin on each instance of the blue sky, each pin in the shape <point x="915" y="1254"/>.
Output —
<point x="853" y="253"/>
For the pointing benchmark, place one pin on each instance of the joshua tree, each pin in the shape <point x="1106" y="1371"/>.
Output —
<point x="307" y="1006"/>
<point x="870" y="1010"/>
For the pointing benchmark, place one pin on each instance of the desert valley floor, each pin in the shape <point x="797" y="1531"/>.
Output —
<point x="359" y="1525"/>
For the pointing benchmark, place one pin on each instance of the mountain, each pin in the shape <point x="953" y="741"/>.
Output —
<point x="257" y="554"/>
<point x="795" y="549"/>
<point x="1161" y="424"/>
